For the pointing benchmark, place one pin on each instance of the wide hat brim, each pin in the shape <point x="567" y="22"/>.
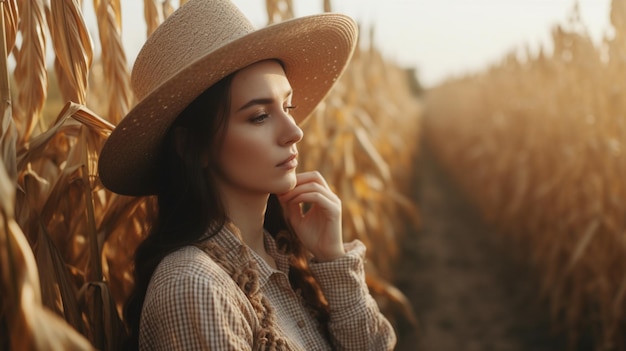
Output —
<point x="314" y="51"/>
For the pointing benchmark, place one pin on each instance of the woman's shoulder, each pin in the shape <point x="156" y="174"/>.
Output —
<point x="189" y="291"/>
<point x="189" y="265"/>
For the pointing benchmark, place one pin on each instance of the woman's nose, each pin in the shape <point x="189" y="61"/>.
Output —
<point x="291" y="132"/>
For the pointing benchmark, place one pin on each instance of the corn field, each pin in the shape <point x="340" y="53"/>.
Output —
<point x="66" y="243"/>
<point x="538" y="144"/>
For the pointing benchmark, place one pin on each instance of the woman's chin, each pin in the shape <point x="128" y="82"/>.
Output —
<point x="286" y="186"/>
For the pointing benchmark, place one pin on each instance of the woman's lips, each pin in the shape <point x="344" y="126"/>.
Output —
<point x="290" y="162"/>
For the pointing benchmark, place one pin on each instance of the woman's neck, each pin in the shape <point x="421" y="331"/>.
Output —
<point x="247" y="213"/>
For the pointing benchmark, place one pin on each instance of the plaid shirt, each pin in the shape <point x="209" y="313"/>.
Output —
<point x="193" y="304"/>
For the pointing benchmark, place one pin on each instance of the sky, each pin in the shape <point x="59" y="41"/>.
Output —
<point x="439" y="38"/>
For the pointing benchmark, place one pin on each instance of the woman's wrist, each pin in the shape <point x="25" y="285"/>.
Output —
<point x="330" y="255"/>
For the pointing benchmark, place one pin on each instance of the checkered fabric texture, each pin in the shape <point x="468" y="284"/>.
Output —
<point x="193" y="304"/>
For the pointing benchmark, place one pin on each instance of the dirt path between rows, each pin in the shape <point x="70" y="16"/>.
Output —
<point x="467" y="290"/>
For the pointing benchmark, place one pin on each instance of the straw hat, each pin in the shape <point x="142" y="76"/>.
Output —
<point x="199" y="44"/>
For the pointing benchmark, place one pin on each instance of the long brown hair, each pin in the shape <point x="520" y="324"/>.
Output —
<point x="187" y="198"/>
<point x="189" y="205"/>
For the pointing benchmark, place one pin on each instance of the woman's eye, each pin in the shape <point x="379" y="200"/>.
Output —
<point x="288" y="108"/>
<point x="260" y="118"/>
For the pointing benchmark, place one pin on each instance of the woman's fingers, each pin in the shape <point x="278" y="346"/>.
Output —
<point x="311" y="177"/>
<point x="312" y="198"/>
<point x="309" y="181"/>
<point x="319" y="227"/>
<point x="311" y="187"/>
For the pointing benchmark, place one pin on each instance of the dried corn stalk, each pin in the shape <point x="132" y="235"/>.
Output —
<point x="83" y="237"/>
<point x="8" y="134"/>
<point x="539" y="146"/>
<point x="30" y="73"/>
<point x="353" y="139"/>
<point x="115" y="71"/>
<point x="153" y="14"/>
<point x="32" y="327"/>
<point x="278" y="10"/>
<point x="72" y="47"/>
<point x="10" y="15"/>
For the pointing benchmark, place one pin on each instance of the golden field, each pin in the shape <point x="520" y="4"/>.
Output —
<point x="538" y="142"/>
<point x="66" y="243"/>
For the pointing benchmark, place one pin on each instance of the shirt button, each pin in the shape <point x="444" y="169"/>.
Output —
<point x="300" y="324"/>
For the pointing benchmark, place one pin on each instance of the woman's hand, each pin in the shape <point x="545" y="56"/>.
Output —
<point x="319" y="228"/>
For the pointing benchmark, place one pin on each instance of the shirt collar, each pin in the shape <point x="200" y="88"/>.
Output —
<point x="232" y="245"/>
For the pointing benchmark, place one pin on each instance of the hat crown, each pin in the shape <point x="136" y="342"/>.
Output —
<point x="198" y="45"/>
<point x="194" y="30"/>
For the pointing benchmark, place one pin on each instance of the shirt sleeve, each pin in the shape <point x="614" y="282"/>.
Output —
<point x="355" y="320"/>
<point x="192" y="312"/>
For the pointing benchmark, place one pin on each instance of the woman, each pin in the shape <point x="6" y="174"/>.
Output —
<point x="233" y="261"/>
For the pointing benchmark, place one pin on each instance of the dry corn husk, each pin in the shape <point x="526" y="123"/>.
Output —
<point x="539" y="146"/>
<point x="114" y="63"/>
<point x="73" y="48"/>
<point x="354" y="140"/>
<point x="82" y="237"/>
<point x="30" y="72"/>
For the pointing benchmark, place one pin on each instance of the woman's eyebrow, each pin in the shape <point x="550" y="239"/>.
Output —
<point x="262" y="101"/>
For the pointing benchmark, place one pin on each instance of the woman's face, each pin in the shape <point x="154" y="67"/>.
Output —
<point x="259" y="153"/>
